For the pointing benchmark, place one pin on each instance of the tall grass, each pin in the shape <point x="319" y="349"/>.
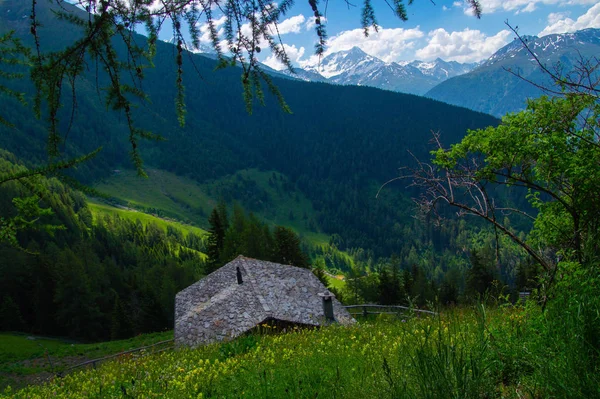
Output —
<point x="506" y="352"/>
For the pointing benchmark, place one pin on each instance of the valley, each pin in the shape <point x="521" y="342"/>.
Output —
<point x="450" y="198"/>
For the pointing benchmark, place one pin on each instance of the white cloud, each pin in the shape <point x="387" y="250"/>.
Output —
<point x="205" y="32"/>
<point x="291" y="25"/>
<point x="554" y="17"/>
<point x="528" y="8"/>
<point x="293" y="53"/>
<point x="561" y="23"/>
<point x="386" y="44"/>
<point x="462" y="46"/>
<point x="518" y="6"/>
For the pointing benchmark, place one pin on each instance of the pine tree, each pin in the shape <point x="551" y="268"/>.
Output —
<point x="215" y="242"/>
<point x="480" y="276"/>
<point x="287" y="248"/>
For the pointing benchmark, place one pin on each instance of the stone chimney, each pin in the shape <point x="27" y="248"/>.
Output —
<point x="328" y="306"/>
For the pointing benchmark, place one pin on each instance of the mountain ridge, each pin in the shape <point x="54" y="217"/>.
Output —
<point x="355" y="67"/>
<point x="500" y="84"/>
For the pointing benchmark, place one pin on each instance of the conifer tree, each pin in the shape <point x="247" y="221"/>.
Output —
<point x="215" y="241"/>
<point x="287" y="248"/>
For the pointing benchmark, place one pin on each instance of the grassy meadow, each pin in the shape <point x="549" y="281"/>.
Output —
<point x="464" y="353"/>
<point x="25" y="359"/>
<point x="98" y="210"/>
<point x="184" y="199"/>
<point x="174" y="198"/>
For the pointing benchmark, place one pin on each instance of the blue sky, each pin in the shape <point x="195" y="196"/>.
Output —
<point x="446" y="29"/>
<point x="436" y="28"/>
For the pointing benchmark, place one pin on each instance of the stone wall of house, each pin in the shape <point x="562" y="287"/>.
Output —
<point x="217" y="307"/>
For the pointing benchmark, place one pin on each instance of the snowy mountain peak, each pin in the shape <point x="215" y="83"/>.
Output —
<point x="355" y="67"/>
<point x="353" y="61"/>
<point x="544" y="46"/>
<point x="202" y="49"/>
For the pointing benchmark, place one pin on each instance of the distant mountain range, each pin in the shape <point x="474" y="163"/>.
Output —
<point x="355" y="67"/>
<point x="486" y="86"/>
<point x="492" y="89"/>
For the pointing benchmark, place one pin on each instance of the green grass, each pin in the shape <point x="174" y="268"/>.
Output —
<point x="22" y="357"/>
<point x="336" y="283"/>
<point x="507" y="352"/>
<point x="367" y="360"/>
<point x="17" y="347"/>
<point x="99" y="209"/>
<point x="170" y="195"/>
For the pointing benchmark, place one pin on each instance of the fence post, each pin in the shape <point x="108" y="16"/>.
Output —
<point x="365" y="312"/>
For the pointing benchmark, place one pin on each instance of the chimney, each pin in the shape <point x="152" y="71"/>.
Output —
<point x="327" y="306"/>
<point x="239" y="275"/>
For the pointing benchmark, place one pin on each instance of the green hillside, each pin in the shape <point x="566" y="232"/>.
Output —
<point x="99" y="209"/>
<point x="267" y="193"/>
<point x="26" y="359"/>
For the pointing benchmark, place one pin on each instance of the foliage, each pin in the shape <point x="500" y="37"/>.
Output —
<point x="550" y="151"/>
<point x="11" y="53"/>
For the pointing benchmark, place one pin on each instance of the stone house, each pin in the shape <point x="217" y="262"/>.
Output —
<point x="248" y="292"/>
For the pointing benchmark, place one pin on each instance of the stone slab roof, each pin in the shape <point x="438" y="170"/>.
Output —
<point x="217" y="307"/>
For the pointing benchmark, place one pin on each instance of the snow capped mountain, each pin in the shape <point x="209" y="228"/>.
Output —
<point x="544" y="47"/>
<point x="355" y="67"/>
<point x="493" y="89"/>
<point x="442" y="70"/>
<point x="202" y="48"/>
<point x="350" y="62"/>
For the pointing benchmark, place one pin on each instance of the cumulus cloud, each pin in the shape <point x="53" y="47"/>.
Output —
<point x="293" y="53"/>
<point x="291" y="25"/>
<point x="560" y="23"/>
<point x="554" y="17"/>
<point x="519" y="6"/>
<point x="205" y="32"/>
<point x="462" y="46"/>
<point x="386" y="44"/>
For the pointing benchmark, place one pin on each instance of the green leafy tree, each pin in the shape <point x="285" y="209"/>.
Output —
<point x="551" y="151"/>
<point x="391" y="290"/>
<point x="319" y="271"/>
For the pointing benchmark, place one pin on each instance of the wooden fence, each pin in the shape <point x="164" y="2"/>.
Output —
<point x="366" y="309"/>
<point x="149" y="349"/>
